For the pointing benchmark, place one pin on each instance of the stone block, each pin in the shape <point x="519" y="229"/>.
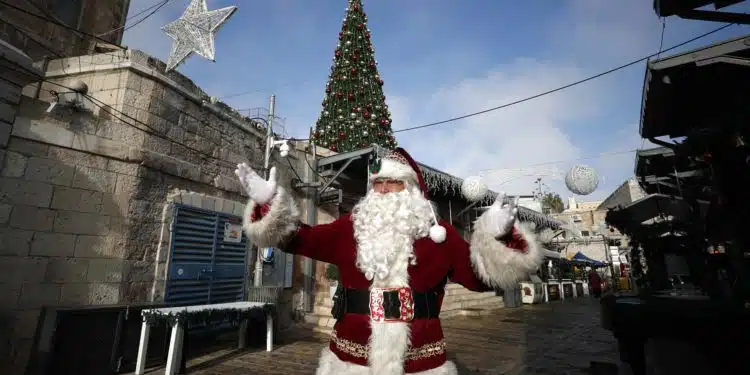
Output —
<point x="121" y="167"/>
<point x="157" y="144"/>
<point x="43" y="132"/>
<point x="94" y="179"/>
<point x="128" y="185"/>
<point x="13" y="165"/>
<point x="71" y="199"/>
<point x="52" y="244"/>
<point x="106" y="270"/>
<point x="25" y="323"/>
<point x="9" y="295"/>
<point x="73" y="157"/>
<point x="9" y="92"/>
<point x="101" y="146"/>
<point x="5" y="213"/>
<point x="137" y="292"/>
<point x="7" y="113"/>
<point x="49" y="171"/>
<point x="36" y="295"/>
<point x="239" y="209"/>
<point x="28" y="148"/>
<point x="120" y="132"/>
<point x="67" y="270"/>
<point x="5" y="130"/>
<point x="23" y="269"/>
<point x="144" y="210"/>
<point x="116" y="205"/>
<point x="100" y="247"/>
<point x="31" y="193"/>
<point x="90" y="293"/>
<point x="81" y="223"/>
<point x="130" y="81"/>
<point x="15" y="241"/>
<point x="109" y="81"/>
<point x="32" y="218"/>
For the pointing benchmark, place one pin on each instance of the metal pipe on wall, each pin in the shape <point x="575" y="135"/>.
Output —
<point x="312" y="219"/>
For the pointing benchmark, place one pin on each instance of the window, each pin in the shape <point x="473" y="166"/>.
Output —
<point x="69" y="11"/>
<point x="585" y="233"/>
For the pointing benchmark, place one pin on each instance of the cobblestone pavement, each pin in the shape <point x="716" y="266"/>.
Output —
<point x="557" y="338"/>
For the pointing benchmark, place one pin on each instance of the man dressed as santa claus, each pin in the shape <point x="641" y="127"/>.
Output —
<point x="394" y="259"/>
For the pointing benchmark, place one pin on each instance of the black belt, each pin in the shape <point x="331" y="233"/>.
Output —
<point x="357" y="301"/>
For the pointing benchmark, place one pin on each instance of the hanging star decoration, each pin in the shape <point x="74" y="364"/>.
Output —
<point x="195" y="32"/>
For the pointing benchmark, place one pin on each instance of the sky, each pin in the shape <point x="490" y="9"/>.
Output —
<point x="445" y="58"/>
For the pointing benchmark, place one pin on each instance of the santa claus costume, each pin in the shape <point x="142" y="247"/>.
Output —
<point x="394" y="259"/>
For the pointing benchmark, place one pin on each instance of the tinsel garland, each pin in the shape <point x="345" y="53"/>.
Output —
<point x="207" y="317"/>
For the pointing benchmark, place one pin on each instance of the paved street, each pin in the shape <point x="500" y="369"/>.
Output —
<point x="558" y="338"/>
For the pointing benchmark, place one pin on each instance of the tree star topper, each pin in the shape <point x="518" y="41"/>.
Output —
<point x="195" y="32"/>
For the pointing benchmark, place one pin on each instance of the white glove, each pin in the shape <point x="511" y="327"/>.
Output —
<point x="261" y="191"/>
<point x="502" y="217"/>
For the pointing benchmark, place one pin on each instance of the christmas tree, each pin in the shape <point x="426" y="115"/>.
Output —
<point x="354" y="114"/>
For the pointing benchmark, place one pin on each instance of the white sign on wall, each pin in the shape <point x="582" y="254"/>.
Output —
<point x="232" y="233"/>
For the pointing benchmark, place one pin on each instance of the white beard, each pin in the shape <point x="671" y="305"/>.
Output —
<point x="385" y="227"/>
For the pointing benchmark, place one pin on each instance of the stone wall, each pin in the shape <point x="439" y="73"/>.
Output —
<point x="39" y="38"/>
<point x="85" y="194"/>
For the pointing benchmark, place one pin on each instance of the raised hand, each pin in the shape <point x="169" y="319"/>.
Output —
<point x="260" y="190"/>
<point x="502" y="216"/>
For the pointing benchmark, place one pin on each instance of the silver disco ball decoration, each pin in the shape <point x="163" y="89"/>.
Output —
<point x="582" y="180"/>
<point x="473" y="188"/>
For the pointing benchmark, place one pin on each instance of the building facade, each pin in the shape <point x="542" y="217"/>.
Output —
<point x="62" y="28"/>
<point x="114" y="196"/>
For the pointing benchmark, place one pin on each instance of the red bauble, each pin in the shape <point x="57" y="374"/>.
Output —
<point x="355" y="57"/>
<point x="341" y="36"/>
<point x="340" y="94"/>
<point x="366" y="114"/>
<point x="382" y="122"/>
<point x="338" y="53"/>
<point x="380" y="135"/>
<point x="350" y="97"/>
<point x="334" y="148"/>
<point x="328" y="90"/>
<point x="355" y="110"/>
<point x="342" y="135"/>
<point x="360" y="26"/>
<point x="380" y="82"/>
<point x="367" y="35"/>
<point x="372" y="65"/>
<point x="354" y="70"/>
<point x="355" y="8"/>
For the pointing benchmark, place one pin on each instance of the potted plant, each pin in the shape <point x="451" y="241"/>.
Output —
<point x="332" y="274"/>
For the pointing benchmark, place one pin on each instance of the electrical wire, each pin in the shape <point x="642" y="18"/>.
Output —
<point x="563" y="161"/>
<point x="125" y="28"/>
<point x="53" y="21"/>
<point x="576" y="83"/>
<point x="548" y="92"/>
<point x="201" y="121"/>
<point x="115" y="113"/>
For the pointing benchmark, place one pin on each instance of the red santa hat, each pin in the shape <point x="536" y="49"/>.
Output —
<point x="399" y="165"/>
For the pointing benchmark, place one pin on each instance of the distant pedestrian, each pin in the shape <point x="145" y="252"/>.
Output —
<point x="595" y="284"/>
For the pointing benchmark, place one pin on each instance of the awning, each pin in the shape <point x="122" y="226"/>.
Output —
<point x="698" y="89"/>
<point x="583" y="258"/>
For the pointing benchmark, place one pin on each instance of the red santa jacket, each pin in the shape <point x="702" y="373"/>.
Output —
<point x="334" y="243"/>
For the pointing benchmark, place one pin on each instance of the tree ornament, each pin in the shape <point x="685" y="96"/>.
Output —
<point x="582" y="180"/>
<point x="342" y="135"/>
<point x="474" y="189"/>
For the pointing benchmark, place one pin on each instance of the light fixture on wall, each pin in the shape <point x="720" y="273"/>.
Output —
<point x="283" y="146"/>
<point x="75" y="98"/>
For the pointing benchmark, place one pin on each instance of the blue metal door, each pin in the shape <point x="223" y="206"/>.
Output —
<point x="205" y="266"/>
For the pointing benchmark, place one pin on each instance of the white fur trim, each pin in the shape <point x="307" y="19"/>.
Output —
<point x="496" y="264"/>
<point x="438" y="233"/>
<point x="395" y="170"/>
<point x="281" y="221"/>
<point x="330" y="364"/>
